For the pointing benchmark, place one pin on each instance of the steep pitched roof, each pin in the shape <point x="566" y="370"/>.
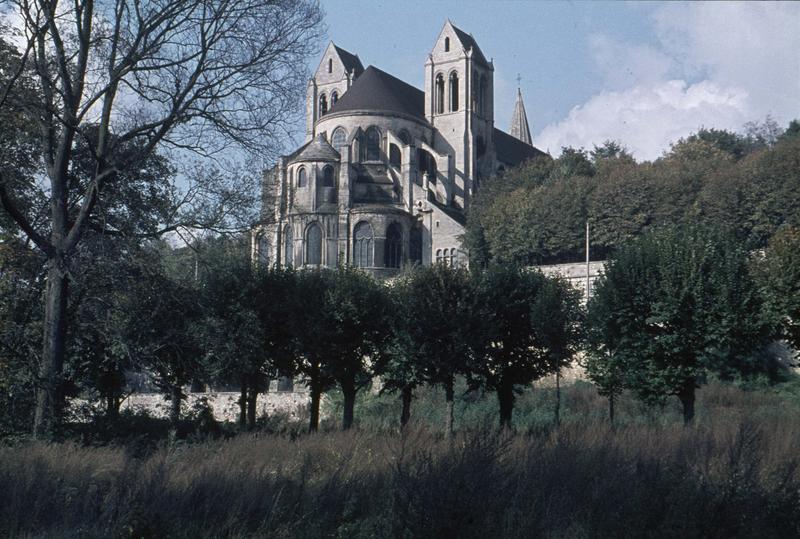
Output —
<point x="511" y="150"/>
<point x="351" y="61"/>
<point x="378" y="90"/>
<point x="317" y="150"/>
<point x="519" y="121"/>
<point x="468" y="42"/>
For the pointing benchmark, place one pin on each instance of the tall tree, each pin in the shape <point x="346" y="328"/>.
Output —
<point x="674" y="306"/>
<point x="778" y="275"/>
<point x="529" y="329"/>
<point x="440" y="316"/>
<point x="182" y="74"/>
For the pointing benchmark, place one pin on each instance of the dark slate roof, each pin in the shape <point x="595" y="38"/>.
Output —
<point x="351" y="61"/>
<point x="511" y="150"/>
<point x="378" y="90"/>
<point x="318" y="150"/>
<point x="469" y="42"/>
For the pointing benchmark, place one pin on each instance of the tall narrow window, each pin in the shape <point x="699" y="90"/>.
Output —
<point x="334" y="97"/>
<point x="453" y="257"/>
<point x="484" y="108"/>
<point x="263" y="251"/>
<point x="415" y="245"/>
<point x="339" y="139"/>
<point x="438" y="256"/>
<point x="323" y="104"/>
<point x="302" y="180"/>
<point x="447" y="44"/>
<point x="439" y="94"/>
<point x="314" y="245"/>
<point x="288" y="247"/>
<point x="393" y="250"/>
<point x="394" y="155"/>
<point x="362" y="245"/>
<point x="453" y="91"/>
<point x="330" y="65"/>
<point x="327" y="176"/>
<point x="372" y="144"/>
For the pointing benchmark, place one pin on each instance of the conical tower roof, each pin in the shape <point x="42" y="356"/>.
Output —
<point x="317" y="150"/>
<point x="519" y="121"/>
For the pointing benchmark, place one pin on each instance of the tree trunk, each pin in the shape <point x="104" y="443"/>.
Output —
<point x="313" y="424"/>
<point x="252" y="400"/>
<point x="112" y="406"/>
<point x="505" y="397"/>
<point x="49" y="393"/>
<point x="243" y="404"/>
<point x="557" y="409"/>
<point x="448" y="397"/>
<point x="611" y="399"/>
<point x="349" y="392"/>
<point x="406" y="395"/>
<point x="686" y="397"/>
<point x="175" y="406"/>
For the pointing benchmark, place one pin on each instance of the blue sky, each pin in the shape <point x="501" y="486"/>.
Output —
<point x="642" y="73"/>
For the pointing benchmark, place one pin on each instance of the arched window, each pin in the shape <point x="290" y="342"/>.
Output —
<point x="302" y="179"/>
<point x="447" y="44"/>
<point x="394" y="155"/>
<point x="323" y="104"/>
<point x="334" y="97"/>
<point x="263" y="251"/>
<point x="288" y="247"/>
<point x="393" y="250"/>
<point x="415" y="245"/>
<point x="439" y="94"/>
<point x="453" y="257"/>
<point x="438" y="256"/>
<point x="426" y="163"/>
<point x="372" y="144"/>
<point x="314" y="245"/>
<point x="484" y="106"/>
<point x="404" y="137"/>
<point x="453" y="91"/>
<point x="363" y="243"/>
<point x="330" y="65"/>
<point x="339" y="139"/>
<point x="327" y="176"/>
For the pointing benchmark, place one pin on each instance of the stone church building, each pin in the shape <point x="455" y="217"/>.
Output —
<point x="387" y="170"/>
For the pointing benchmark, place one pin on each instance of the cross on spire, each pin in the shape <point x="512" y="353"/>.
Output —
<point x="519" y="79"/>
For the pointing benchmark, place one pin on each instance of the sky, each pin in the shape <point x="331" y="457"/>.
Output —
<point x="643" y="74"/>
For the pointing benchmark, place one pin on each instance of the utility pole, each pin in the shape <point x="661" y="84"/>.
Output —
<point x="588" y="281"/>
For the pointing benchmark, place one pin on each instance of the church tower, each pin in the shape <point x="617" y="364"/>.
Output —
<point x="519" y="121"/>
<point x="336" y="72"/>
<point x="459" y="103"/>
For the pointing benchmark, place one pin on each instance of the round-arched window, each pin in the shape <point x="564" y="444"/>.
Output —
<point x="372" y="144"/>
<point x="302" y="179"/>
<point x="327" y="176"/>
<point x="263" y="251"/>
<point x="394" y="155"/>
<point x="314" y="245"/>
<point x="393" y="251"/>
<point x="363" y="244"/>
<point x="453" y="91"/>
<point x="439" y="94"/>
<point x="323" y="104"/>
<point x="334" y="97"/>
<point x="339" y="139"/>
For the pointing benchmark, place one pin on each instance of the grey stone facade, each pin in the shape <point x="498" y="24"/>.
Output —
<point x="387" y="170"/>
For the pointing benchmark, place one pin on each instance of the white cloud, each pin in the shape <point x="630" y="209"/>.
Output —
<point x="646" y="118"/>
<point x="716" y="65"/>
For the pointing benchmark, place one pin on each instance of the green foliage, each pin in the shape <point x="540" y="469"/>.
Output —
<point x="672" y="307"/>
<point x="536" y="214"/>
<point x="778" y="274"/>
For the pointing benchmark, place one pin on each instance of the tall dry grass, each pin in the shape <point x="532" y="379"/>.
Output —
<point x="733" y="474"/>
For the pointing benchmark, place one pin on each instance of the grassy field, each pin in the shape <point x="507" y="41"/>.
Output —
<point x="736" y="472"/>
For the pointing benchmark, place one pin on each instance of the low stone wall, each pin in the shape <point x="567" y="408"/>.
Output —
<point x="225" y="405"/>
<point x="575" y="273"/>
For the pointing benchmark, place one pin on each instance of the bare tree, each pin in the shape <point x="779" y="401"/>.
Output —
<point x="198" y="77"/>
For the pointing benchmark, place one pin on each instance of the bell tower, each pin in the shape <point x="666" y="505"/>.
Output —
<point x="459" y="103"/>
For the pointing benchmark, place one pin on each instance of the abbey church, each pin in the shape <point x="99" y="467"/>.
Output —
<point x="387" y="170"/>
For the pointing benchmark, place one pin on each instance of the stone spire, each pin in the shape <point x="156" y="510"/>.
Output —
<point x="519" y="122"/>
